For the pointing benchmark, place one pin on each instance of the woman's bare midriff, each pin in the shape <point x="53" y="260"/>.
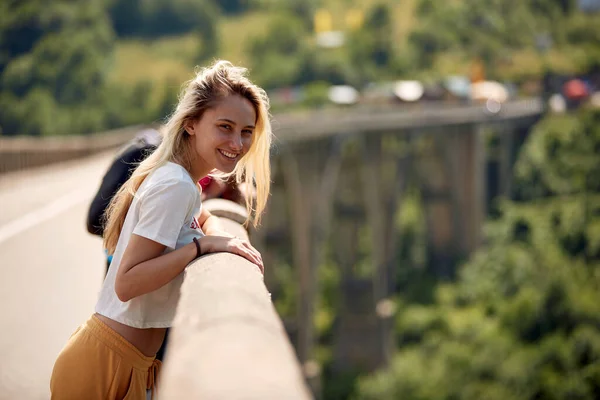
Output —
<point x="148" y="341"/>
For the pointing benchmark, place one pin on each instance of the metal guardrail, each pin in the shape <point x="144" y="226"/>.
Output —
<point x="227" y="341"/>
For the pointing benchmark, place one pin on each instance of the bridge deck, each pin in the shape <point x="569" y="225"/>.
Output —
<point x="51" y="271"/>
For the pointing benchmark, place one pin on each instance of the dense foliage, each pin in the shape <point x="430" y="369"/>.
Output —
<point x="55" y="60"/>
<point x="59" y="72"/>
<point x="523" y="319"/>
<point x="156" y="18"/>
<point x="53" y="66"/>
<point x="512" y="38"/>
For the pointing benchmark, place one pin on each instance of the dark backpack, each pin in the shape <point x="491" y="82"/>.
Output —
<point x="118" y="173"/>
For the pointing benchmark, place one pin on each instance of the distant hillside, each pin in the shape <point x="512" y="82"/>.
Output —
<point x="169" y="60"/>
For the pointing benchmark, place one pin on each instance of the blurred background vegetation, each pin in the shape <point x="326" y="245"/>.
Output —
<point x="520" y="319"/>
<point x="76" y="67"/>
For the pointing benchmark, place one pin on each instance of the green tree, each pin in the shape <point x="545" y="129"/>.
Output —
<point x="276" y="56"/>
<point x="155" y="18"/>
<point x="494" y="30"/>
<point x="370" y="47"/>
<point x="234" y="6"/>
<point x="53" y="65"/>
<point x="302" y="9"/>
<point x="488" y="30"/>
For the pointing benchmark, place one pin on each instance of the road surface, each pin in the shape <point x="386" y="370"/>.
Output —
<point x="51" y="269"/>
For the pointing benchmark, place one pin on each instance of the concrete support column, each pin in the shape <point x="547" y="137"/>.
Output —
<point x="310" y="173"/>
<point x="466" y="158"/>
<point x="384" y="178"/>
<point x="356" y="336"/>
<point x="477" y="190"/>
<point x="434" y="171"/>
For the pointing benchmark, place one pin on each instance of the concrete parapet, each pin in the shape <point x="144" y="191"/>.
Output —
<point x="22" y="152"/>
<point x="227" y="340"/>
<point x="25" y="152"/>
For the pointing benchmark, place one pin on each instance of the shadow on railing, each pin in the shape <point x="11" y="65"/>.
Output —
<point x="227" y="340"/>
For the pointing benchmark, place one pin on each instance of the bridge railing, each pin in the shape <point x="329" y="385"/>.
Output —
<point x="22" y="152"/>
<point x="227" y="340"/>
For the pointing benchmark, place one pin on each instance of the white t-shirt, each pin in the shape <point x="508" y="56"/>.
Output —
<point x="164" y="210"/>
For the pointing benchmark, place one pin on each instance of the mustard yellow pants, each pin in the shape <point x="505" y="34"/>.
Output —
<point x="99" y="364"/>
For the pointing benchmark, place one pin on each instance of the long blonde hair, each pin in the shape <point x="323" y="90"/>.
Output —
<point x="199" y="94"/>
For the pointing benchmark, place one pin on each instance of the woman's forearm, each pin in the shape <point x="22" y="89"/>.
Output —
<point x="212" y="226"/>
<point x="153" y="274"/>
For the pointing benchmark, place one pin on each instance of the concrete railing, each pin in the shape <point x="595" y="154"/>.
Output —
<point x="227" y="340"/>
<point x="315" y="125"/>
<point x="23" y="152"/>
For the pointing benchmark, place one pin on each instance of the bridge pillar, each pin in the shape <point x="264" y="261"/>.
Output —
<point x="385" y="168"/>
<point x="466" y="159"/>
<point x="452" y="175"/>
<point x="310" y="175"/>
<point x="272" y="236"/>
<point x="475" y="186"/>
<point x="433" y="175"/>
<point x="355" y="330"/>
<point x="506" y="162"/>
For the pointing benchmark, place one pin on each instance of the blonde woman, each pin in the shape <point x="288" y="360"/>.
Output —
<point x="156" y="227"/>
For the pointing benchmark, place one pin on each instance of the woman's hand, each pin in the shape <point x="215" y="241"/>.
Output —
<point x="216" y="244"/>
<point x="219" y="232"/>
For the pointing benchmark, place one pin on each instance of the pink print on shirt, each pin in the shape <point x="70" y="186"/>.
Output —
<point x="195" y="224"/>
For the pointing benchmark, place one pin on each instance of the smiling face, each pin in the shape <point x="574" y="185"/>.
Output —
<point x="222" y="136"/>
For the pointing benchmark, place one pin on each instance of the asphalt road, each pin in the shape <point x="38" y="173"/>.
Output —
<point x="51" y="269"/>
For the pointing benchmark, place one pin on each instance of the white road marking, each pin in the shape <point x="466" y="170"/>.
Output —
<point x="45" y="213"/>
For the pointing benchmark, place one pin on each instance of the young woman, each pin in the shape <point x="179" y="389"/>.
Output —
<point x="155" y="228"/>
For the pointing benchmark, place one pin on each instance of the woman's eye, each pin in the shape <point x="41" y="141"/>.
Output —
<point x="247" y="131"/>
<point x="226" y="127"/>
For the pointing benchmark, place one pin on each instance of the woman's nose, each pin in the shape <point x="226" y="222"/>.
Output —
<point x="236" y="142"/>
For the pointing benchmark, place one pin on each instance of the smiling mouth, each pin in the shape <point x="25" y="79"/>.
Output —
<point x="231" y="156"/>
